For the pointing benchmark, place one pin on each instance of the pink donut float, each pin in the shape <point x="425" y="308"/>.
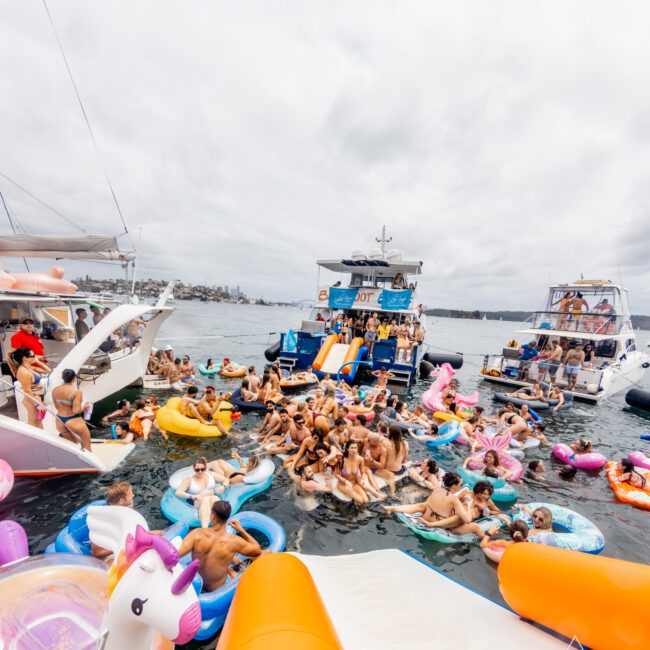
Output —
<point x="591" y="460"/>
<point x="6" y="478"/>
<point x="494" y="552"/>
<point x="498" y="444"/>
<point x="639" y="459"/>
<point x="369" y="415"/>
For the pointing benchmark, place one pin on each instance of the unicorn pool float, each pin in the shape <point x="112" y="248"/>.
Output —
<point x="69" y="601"/>
<point x="432" y="397"/>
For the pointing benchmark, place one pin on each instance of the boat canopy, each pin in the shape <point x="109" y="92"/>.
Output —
<point x="73" y="247"/>
<point x="378" y="267"/>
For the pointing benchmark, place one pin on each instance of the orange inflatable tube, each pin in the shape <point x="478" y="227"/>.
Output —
<point x="352" y="354"/>
<point x="324" y="351"/>
<point x="601" y="601"/>
<point x="277" y="605"/>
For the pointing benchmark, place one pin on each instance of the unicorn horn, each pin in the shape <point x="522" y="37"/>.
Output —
<point x="184" y="580"/>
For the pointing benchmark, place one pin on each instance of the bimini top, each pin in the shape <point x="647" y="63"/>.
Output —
<point x="72" y="247"/>
<point x="370" y="266"/>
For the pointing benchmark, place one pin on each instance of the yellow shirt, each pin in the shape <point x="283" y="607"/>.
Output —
<point x="383" y="331"/>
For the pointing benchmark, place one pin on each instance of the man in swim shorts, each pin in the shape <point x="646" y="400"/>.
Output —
<point x="526" y="355"/>
<point x="371" y="332"/>
<point x="186" y="370"/>
<point x="576" y="304"/>
<point x="189" y="406"/>
<point x="215" y="548"/>
<point x="573" y="362"/>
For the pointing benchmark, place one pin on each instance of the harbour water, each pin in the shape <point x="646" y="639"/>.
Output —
<point x="241" y="332"/>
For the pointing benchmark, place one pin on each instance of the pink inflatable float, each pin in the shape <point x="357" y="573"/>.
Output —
<point x="6" y="478"/>
<point x="51" y="281"/>
<point x="498" y="444"/>
<point x="6" y="281"/>
<point x="591" y="460"/>
<point x="639" y="459"/>
<point x="431" y="398"/>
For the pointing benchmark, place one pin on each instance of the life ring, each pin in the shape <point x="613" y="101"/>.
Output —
<point x="575" y="532"/>
<point x="170" y="418"/>
<point x="503" y="491"/>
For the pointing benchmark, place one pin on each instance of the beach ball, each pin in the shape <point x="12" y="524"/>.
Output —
<point x="6" y="478"/>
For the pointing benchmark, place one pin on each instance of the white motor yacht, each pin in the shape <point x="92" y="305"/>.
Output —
<point x="112" y="355"/>
<point x="604" y="321"/>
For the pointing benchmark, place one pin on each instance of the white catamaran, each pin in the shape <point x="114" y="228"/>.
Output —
<point x="112" y="355"/>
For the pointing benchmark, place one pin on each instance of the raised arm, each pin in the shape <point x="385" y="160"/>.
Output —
<point x="246" y="544"/>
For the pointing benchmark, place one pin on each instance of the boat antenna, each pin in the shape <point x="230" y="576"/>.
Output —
<point x="383" y="241"/>
<point x="85" y="116"/>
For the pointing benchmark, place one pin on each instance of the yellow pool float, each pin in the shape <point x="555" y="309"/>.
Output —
<point x="170" y="418"/>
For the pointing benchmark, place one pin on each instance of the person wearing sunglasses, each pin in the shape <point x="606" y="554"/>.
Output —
<point x="202" y="489"/>
<point x="32" y="385"/>
<point x="542" y="518"/>
<point x="27" y="337"/>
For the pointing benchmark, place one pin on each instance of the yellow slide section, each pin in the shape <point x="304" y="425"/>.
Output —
<point x="277" y="605"/>
<point x="600" y="601"/>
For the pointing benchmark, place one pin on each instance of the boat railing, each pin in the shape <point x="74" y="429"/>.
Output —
<point x="507" y="368"/>
<point x="572" y="323"/>
<point x="43" y="407"/>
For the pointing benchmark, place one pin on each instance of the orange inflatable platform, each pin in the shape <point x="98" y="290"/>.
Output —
<point x="600" y="601"/>
<point x="296" y="618"/>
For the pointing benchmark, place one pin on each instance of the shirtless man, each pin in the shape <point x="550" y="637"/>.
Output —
<point x="297" y="432"/>
<point x="555" y="360"/>
<point x="186" y="370"/>
<point x="576" y="304"/>
<point x="383" y="376"/>
<point x="254" y="382"/>
<point x="278" y="433"/>
<point x="359" y="432"/>
<point x="271" y="422"/>
<point x="371" y="332"/>
<point x="417" y="338"/>
<point x="171" y="371"/>
<point x="573" y="362"/>
<point x="215" y="548"/>
<point x="375" y="458"/>
<point x="208" y="405"/>
<point x="189" y="405"/>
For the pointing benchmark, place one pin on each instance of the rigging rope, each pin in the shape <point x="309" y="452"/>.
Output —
<point x="85" y="116"/>
<point x="13" y="222"/>
<point x="49" y="207"/>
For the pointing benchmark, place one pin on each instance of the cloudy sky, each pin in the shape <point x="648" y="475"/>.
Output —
<point x="505" y="144"/>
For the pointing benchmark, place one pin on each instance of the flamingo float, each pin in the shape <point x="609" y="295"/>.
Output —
<point x="442" y="375"/>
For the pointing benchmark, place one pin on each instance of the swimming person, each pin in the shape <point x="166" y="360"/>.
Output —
<point x="68" y="401"/>
<point x="200" y="488"/>
<point x="542" y="518"/>
<point x="517" y="529"/>
<point x="443" y="509"/>
<point x="216" y="549"/>
<point x="630" y="475"/>
<point x="122" y="411"/>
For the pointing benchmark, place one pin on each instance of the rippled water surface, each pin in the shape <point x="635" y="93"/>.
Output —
<point x="44" y="506"/>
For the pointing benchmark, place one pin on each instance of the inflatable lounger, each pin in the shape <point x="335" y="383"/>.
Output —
<point x="177" y="509"/>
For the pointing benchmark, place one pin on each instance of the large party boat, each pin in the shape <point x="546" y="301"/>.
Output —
<point x="112" y="355"/>
<point x="603" y="322"/>
<point x="379" y="282"/>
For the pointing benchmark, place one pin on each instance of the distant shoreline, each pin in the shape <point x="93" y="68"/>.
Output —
<point x="515" y="316"/>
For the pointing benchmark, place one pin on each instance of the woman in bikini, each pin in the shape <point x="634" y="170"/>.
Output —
<point x="443" y="509"/>
<point x="427" y="474"/>
<point x="349" y="473"/>
<point x="403" y="343"/>
<point x="512" y="423"/>
<point x="202" y="489"/>
<point x="143" y="420"/>
<point x="630" y="475"/>
<point x="227" y="474"/>
<point x="492" y="466"/>
<point x="517" y="529"/>
<point x="32" y="385"/>
<point x="482" y="504"/>
<point x="68" y="401"/>
<point x="306" y="454"/>
<point x="397" y="451"/>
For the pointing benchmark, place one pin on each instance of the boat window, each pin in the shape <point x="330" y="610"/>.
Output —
<point x="606" y="349"/>
<point x="11" y="313"/>
<point x="629" y="345"/>
<point x="357" y="280"/>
